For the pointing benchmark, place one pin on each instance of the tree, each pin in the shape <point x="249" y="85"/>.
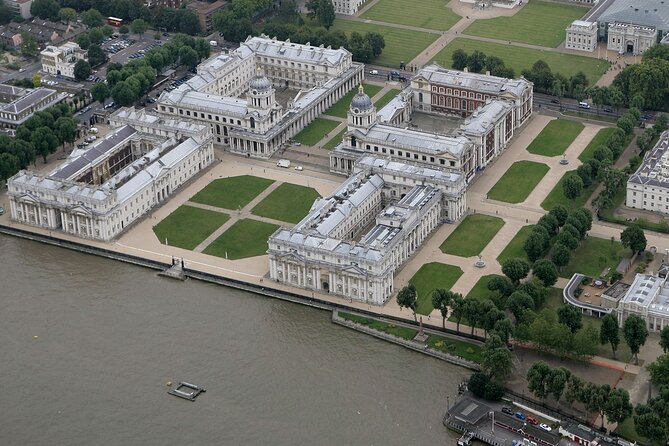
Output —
<point x="95" y="36"/>
<point x="643" y="141"/>
<point x="567" y="239"/>
<point x="609" y="333"/>
<point x="571" y="317"/>
<point x="496" y="360"/>
<point x="501" y="284"/>
<point x="515" y="269"/>
<point x="139" y="26"/>
<point x="457" y="310"/>
<point x="556" y="381"/>
<point x="635" y="333"/>
<point x="476" y="61"/>
<point x="652" y="419"/>
<point x="633" y="238"/>
<point x="124" y="29"/>
<point x="546" y="271"/>
<point x="518" y="302"/>
<point x="67" y="15"/>
<point x="535" y="246"/>
<point x="561" y="255"/>
<point x="572" y="187"/>
<point x="45" y="9"/>
<point x="100" y="92"/>
<point x="597" y="398"/>
<point x="44" y="141"/>
<point x="503" y="328"/>
<point x="122" y="94"/>
<point x="560" y="213"/>
<point x="441" y="299"/>
<point x="537" y="377"/>
<point x="66" y="128"/>
<point x="550" y="223"/>
<point x="618" y="407"/>
<point x="626" y="123"/>
<point x="37" y="81"/>
<point x="188" y="57"/>
<point x="92" y="18"/>
<point x="459" y="59"/>
<point x="664" y="339"/>
<point x="585" y="342"/>
<point x="659" y="370"/>
<point x="472" y="312"/>
<point x="83" y="41"/>
<point x="490" y="316"/>
<point x="407" y="298"/>
<point x="638" y="101"/>
<point x="322" y="11"/>
<point x="603" y="154"/>
<point x="29" y="46"/>
<point x="377" y="42"/>
<point x="82" y="69"/>
<point x="9" y="165"/>
<point x="96" y="56"/>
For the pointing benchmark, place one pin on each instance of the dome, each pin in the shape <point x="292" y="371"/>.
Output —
<point x="260" y="82"/>
<point x="361" y="101"/>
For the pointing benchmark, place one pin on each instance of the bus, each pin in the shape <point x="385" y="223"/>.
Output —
<point x="115" y="21"/>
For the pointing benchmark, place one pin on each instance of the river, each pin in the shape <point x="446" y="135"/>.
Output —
<point x="87" y="346"/>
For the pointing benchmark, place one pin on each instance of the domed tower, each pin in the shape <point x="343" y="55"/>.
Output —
<point x="361" y="113"/>
<point x="261" y="93"/>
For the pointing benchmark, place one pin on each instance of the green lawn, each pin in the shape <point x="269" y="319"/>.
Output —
<point x="315" y="131"/>
<point x="456" y="347"/>
<point x="383" y="100"/>
<point x="188" y="226"/>
<point x="627" y="430"/>
<point x="537" y="23"/>
<point x="399" y="331"/>
<point x="472" y="235"/>
<point x="330" y="145"/>
<point x="599" y="140"/>
<point x="520" y="58"/>
<point x="430" y="277"/>
<point x="431" y="14"/>
<point x="593" y="256"/>
<point x="515" y="249"/>
<point x="340" y="108"/>
<point x="232" y="192"/>
<point x="480" y="290"/>
<point x="288" y="202"/>
<point x="401" y="44"/>
<point x="555" y="138"/>
<point x="246" y="238"/>
<point x="554" y="299"/>
<point x="518" y="182"/>
<point x="556" y="196"/>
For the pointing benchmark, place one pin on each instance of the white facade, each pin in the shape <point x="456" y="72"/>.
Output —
<point x="100" y="191"/>
<point x="629" y="38"/>
<point x="19" y="104"/>
<point x="647" y="297"/>
<point x="403" y="204"/>
<point x="60" y="60"/>
<point x="347" y="7"/>
<point x="582" y="36"/>
<point x="256" y="125"/>
<point x="648" y="187"/>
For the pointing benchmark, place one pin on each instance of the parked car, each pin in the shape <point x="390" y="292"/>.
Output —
<point x="520" y="416"/>
<point x="555" y="101"/>
<point x="373" y="71"/>
<point x="507" y="410"/>
<point x="300" y="168"/>
<point x="2" y="210"/>
<point x="607" y="109"/>
<point x="532" y="420"/>
<point x="545" y="427"/>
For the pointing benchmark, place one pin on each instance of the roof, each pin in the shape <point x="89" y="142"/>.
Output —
<point x="482" y="83"/>
<point x="185" y="97"/>
<point x="270" y="47"/>
<point x="469" y="410"/>
<point x="617" y="290"/>
<point x="433" y="175"/>
<point x="482" y="118"/>
<point x="639" y="12"/>
<point x="25" y="102"/>
<point x="654" y="170"/>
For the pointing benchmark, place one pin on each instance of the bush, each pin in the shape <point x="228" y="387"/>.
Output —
<point x="481" y="385"/>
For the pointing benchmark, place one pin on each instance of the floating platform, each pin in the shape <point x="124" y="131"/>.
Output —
<point x="187" y="391"/>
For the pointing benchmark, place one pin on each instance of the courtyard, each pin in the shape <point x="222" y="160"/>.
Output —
<point x="432" y="276"/>
<point x="431" y="14"/>
<point x="315" y="131"/>
<point x="188" y="226"/>
<point x="555" y="138"/>
<point x="340" y="108"/>
<point x="557" y="197"/>
<point x="233" y="192"/>
<point x="518" y="182"/>
<point x="472" y="235"/>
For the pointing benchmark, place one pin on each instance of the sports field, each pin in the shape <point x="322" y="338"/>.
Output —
<point x="518" y="182"/>
<point x="537" y="23"/>
<point x="431" y="14"/>
<point x="520" y="58"/>
<point x="401" y="44"/>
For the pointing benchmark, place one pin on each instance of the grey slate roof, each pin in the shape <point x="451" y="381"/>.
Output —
<point x="639" y="12"/>
<point x="654" y="170"/>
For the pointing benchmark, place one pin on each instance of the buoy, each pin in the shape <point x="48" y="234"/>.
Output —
<point x="169" y="383"/>
<point x="35" y="337"/>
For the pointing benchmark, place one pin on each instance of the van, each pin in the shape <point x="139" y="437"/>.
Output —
<point x="283" y="163"/>
<point x="583" y="105"/>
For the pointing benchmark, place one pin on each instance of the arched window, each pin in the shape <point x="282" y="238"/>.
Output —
<point x="253" y="122"/>
<point x="420" y="97"/>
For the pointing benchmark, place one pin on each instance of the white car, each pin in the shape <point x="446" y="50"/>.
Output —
<point x="545" y="427"/>
<point x="300" y="168"/>
<point x="373" y="71"/>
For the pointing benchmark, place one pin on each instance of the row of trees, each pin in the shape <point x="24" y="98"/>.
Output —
<point x="646" y="85"/>
<point x="478" y="62"/>
<point x="547" y="81"/>
<point x="236" y="21"/>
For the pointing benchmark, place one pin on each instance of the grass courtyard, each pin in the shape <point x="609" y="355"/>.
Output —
<point x="233" y="192"/>
<point x="288" y="202"/>
<point x="518" y="182"/>
<point x="523" y="58"/>
<point x="480" y="290"/>
<point x="383" y="100"/>
<point x="556" y="196"/>
<point x="315" y="131"/>
<point x="188" y="226"/>
<point x="599" y="140"/>
<point x="246" y="238"/>
<point x="428" y="278"/>
<point x="340" y="108"/>
<point x="537" y="23"/>
<point x="555" y="138"/>
<point x="431" y="14"/>
<point x="593" y="256"/>
<point x="472" y="235"/>
<point x="330" y="145"/>
<point x="514" y="250"/>
<point x="401" y="44"/>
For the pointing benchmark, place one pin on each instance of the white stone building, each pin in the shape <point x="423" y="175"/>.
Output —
<point x="648" y="187"/>
<point x="351" y="243"/>
<point x="256" y="125"/>
<point x="102" y="190"/>
<point x="347" y="7"/>
<point x="17" y="105"/>
<point x="632" y="26"/>
<point x="60" y="60"/>
<point x="582" y="36"/>
<point x="630" y="38"/>
<point x="647" y="297"/>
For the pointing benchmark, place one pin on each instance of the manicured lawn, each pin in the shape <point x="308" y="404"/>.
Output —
<point x="334" y="142"/>
<point x="593" y="256"/>
<point x="399" y="331"/>
<point x="480" y="290"/>
<point x="246" y="238"/>
<point x="401" y="44"/>
<point x="233" y="192"/>
<point x="519" y="58"/>
<point x="556" y="196"/>
<point x="518" y="182"/>
<point x="555" y="138"/>
<point x="456" y="347"/>
<point x="188" y="226"/>
<point x="514" y="249"/>
<point x="599" y="140"/>
<point x="288" y="202"/>
<point x="430" y="277"/>
<point x="383" y="100"/>
<point x="315" y="131"/>
<point x="553" y="300"/>
<point x="431" y="14"/>
<point x="537" y="23"/>
<point x="472" y="235"/>
<point x="341" y="107"/>
<point x="627" y="430"/>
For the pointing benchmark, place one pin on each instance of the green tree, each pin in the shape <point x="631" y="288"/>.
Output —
<point x="322" y="11"/>
<point x="472" y="312"/>
<point x="490" y="315"/>
<point x="560" y="213"/>
<point x="571" y="317"/>
<point x="122" y="94"/>
<point x="29" y="46"/>
<point x="496" y="360"/>
<point x="609" y="332"/>
<point x="652" y="419"/>
<point x="45" y="9"/>
<point x="96" y="56"/>
<point x="441" y="299"/>
<point x="476" y="61"/>
<point x="67" y="15"/>
<point x="626" y="123"/>
<point x="124" y="29"/>
<point x="44" y="141"/>
<point x="618" y="407"/>
<point x="643" y="141"/>
<point x="518" y="302"/>
<point x="92" y="18"/>
<point x="37" y="80"/>
<point x="535" y="245"/>
<point x="9" y="165"/>
<point x="100" y="92"/>
<point x="585" y="342"/>
<point x="659" y="370"/>
<point x="406" y="298"/>
<point x="188" y="57"/>
<point x="572" y="187"/>
<point x="82" y="69"/>
<point x="556" y="381"/>
<point x="568" y="240"/>
<point x="635" y="333"/>
<point x="457" y="310"/>
<point x="501" y="284"/>
<point x="638" y="101"/>
<point x="83" y="41"/>
<point x="515" y="269"/>
<point x="560" y="255"/>
<point x="459" y="59"/>
<point x="537" y="379"/>
<point x="633" y="238"/>
<point x="107" y="31"/>
<point x="603" y="154"/>
<point x="95" y="36"/>
<point x="66" y="128"/>
<point x="550" y="223"/>
<point x="597" y="398"/>
<point x="664" y="339"/>
<point x="503" y="328"/>
<point x="546" y="271"/>
<point x="139" y="26"/>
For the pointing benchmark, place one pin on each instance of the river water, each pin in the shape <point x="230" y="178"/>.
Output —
<point x="87" y="346"/>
